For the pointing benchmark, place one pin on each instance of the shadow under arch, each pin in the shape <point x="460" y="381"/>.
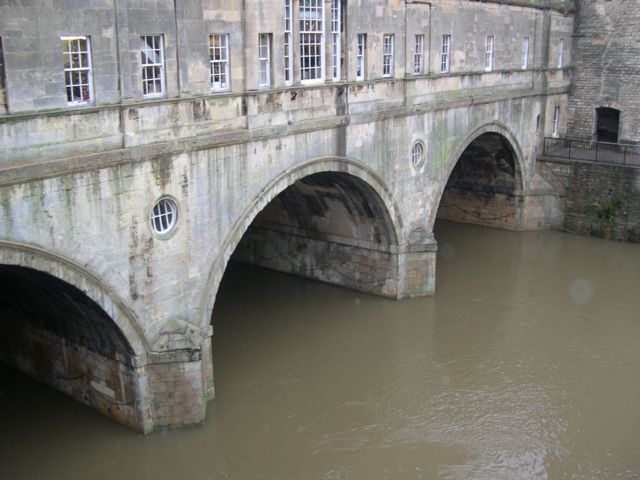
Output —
<point x="63" y="326"/>
<point x="19" y="254"/>
<point x="325" y="165"/>
<point x="515" y="156"/>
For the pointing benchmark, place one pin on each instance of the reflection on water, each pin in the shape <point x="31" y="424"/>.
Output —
<point x="524" y="365"/>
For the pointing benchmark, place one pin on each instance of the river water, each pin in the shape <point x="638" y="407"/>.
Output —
<point x="525" y="365"/>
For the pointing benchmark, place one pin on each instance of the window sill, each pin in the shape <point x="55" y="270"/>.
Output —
<point x="315" y="81"/>
<point x="88" y="103"/>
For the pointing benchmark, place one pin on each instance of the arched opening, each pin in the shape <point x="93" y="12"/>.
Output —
<point x="55" y="333"/>
<point x="330" y="220"/>
<point x="607" y="124"/>
<point x="483" y="187"/>
<point x="327" y="226"/>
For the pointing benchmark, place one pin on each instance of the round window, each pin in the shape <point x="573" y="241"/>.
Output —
<point x="417" y="154"/>
<point x="163" y="216"/>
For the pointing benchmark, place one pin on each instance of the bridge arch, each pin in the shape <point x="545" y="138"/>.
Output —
<point x="506" y="160"/>
<point x="31" y="257"/>
<point x="360" y="177"/>
<point x="64" y="327"/>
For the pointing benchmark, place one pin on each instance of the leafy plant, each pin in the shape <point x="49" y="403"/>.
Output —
<point x="609" y="209"/>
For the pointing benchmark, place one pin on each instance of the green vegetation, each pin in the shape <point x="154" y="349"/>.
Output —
<point x="609" y="210"/>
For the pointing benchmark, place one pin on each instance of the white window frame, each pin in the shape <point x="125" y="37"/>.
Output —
<point x="151" y="66"/>
<point x="488" y="60"/>
<point x="311" y="35"/>
<point x="361" y="56"/>
<point x="556" y="120"/>
<point x="288" y="44"/>
<point x="219" y="62"/>
<point x="417" y="155"/>
<point x="163" y="217"/>
<point x="418" y="55"/>
<point x="336" y="41"/>
<point x="445" y="59"/>
<point x="560" y="52"/>
<point x="387" y="55"/>
<point x="525" y="53"/>
<point x="264" y="60"/>
<point x="77" y="62"/>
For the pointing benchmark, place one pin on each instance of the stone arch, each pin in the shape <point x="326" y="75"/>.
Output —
<point x="34" y="258"/>
<point x="492" y="127"/>
<point x="341" y="165"/>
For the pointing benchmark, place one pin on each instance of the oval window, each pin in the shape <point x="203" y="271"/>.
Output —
<point x="417" y="154"/>
<point x="163" y="217"/>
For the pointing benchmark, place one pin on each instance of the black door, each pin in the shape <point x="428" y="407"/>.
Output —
<point x="608" y="120"/>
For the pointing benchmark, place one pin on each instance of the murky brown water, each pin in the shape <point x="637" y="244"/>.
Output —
<point x="525" y="365"/>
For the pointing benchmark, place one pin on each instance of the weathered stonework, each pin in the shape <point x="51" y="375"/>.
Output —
<point x="605" y="68"/>
<point x="77" y="184"/>
<point x="598" y="199"/>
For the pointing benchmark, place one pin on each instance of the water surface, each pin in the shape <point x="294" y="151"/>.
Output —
<point x="525" y="365"/>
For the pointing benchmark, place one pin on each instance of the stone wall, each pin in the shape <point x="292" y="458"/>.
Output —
<point x="599" y="200"/>
<point x="109" y="385"/>
<point x="605" y="67"/>
<point x="482" y="207"/>
<point x="177" y="388"/>
<point x="365" y="269"/>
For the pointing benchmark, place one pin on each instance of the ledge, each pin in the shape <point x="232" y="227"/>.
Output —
<point x="183" y="98"/>
<point x="21" y="172"/>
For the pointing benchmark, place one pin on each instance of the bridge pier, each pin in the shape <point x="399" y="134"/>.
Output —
<point x="165" y="389"/>
<point x="178" y="385"/>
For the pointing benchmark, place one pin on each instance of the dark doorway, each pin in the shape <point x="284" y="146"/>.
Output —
<point x="607" y="121"/>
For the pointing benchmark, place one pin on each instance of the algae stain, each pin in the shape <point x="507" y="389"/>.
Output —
<point x="444" y="146"/>
<point x="161" y="170"/>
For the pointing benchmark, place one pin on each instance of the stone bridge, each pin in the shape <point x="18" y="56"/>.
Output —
<point x="321" y="181"/>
